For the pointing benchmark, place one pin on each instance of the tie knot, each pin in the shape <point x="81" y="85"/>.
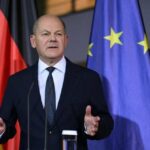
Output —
<point x="50" y="69"/>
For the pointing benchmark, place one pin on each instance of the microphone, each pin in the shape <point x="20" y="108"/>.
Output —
<point x="28" y="115"/>
<point x="45" y="133"/>
<point x="28" y="120"/>
<point x="69" y="139"/>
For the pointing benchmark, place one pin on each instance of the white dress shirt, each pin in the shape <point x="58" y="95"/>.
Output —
<point x="58" y="77"/>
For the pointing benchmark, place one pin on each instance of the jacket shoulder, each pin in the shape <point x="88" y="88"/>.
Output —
<point x="26" y="73"/>
<point x="82" y="70"/>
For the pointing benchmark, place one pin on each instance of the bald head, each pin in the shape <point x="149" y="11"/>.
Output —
<point x="49" y="38"/>
<point x="48" y="17"/>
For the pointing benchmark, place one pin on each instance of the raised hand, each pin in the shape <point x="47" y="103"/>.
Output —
<point x="91" y="122"/>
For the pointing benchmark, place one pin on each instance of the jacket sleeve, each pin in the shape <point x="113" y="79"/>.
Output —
<point x="99" y="108"/>
<point x="8" y="113"/>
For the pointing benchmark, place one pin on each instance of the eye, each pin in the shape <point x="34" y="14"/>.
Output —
<point x="59" y="34"/>
<point x="45" y="34"/>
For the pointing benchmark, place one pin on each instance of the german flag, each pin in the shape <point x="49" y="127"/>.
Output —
<point x="16" y="21"/>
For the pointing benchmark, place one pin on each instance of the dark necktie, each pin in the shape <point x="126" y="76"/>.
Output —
<point x="50" y="105"/>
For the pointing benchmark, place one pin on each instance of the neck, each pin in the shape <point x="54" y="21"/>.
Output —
<point x="51" y="62"/>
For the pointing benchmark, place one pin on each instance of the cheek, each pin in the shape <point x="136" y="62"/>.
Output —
<point x="40" y="46"/>
<point x="41" y="43"/>
<point x="65" y="43"/>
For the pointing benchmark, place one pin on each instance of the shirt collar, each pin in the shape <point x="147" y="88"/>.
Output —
<point x="60" y="65"/>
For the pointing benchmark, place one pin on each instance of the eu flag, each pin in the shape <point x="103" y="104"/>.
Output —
<point x="118" y="51"/>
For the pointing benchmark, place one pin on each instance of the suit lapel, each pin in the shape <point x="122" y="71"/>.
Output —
<point x="70" y="82"/>
<point x="34" y="97"/>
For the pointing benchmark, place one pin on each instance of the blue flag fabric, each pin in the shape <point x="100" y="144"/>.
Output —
<point x="118" y="51"/>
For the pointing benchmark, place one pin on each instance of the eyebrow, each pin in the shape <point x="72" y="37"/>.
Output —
<point x="45" y="30"/>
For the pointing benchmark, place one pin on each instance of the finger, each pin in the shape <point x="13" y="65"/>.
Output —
<point x="92" y="134"/>
<point x="94" y="130"/>
<point x="2" y="126"/>
<point x="96" y="120"/>
<point x="88" y="110"/>
<point x="95" y="125"/>
<point x="2" y="129"/>
<point x="91" y="121"/>
<point x="1" y="122"/>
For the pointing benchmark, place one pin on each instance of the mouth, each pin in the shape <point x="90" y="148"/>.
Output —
<point x="52" y="47"/>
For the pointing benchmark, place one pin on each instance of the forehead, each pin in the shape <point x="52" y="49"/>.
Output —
<point x="50" y="23"/>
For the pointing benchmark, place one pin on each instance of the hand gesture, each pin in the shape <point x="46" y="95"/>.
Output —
<point x="2" y="126"/>
<point x="91" y="122"/>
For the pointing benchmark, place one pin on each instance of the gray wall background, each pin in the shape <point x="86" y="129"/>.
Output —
<point x="145" y="9"/>
<point x="78" y="28"/>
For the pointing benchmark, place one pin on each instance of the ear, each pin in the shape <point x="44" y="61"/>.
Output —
<point x="32" y="41"/>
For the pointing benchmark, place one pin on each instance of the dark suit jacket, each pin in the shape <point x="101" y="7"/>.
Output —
<point x="22" y="101"/>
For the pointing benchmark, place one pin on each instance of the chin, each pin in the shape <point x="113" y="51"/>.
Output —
<point x="55" y="57"/>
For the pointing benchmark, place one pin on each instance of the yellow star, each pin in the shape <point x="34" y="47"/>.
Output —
<point x="89" y="49"/>
<point x="114" y="38"/>
<point x="144" y="43"/>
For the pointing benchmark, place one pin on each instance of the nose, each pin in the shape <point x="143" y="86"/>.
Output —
<point x="52" y="37"/>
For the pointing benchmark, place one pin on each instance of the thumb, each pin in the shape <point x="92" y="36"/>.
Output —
<point x="88" y="110"/>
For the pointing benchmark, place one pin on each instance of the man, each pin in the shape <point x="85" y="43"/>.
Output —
<point x="79" y="101"/>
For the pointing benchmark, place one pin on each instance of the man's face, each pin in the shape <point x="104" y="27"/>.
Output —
<point x="50" y="39"/>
